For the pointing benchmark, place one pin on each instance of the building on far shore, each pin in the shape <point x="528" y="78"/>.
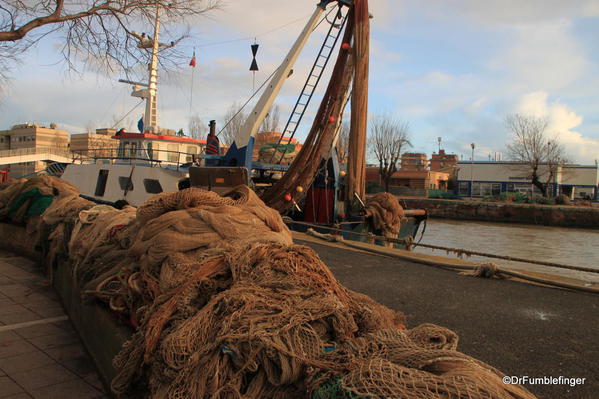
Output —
<point x="24" y="141"/>
<point x="414" y="161"/>
<point x="99" y="144"/>
<point x="443" y="162"/>
<point x="491" y="178"/>
<point x="414" y="178"/>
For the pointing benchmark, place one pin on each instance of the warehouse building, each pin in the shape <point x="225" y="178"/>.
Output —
<point x="486" y="179"/>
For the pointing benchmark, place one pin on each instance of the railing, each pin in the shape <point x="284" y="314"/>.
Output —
<point x="135" y="155"/>
<point x="36" y="150"/>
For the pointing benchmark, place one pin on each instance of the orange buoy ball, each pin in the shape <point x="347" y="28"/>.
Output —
<point x="287" y="197"/>
<point x="342" y="173"/>
<point x="331" y="119"/>
<point x="345" y="46"/>
<point x="299" y="189"/>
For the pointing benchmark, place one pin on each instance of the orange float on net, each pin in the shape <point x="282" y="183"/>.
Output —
<point x="288" y="197"/>
<point x="331" y="119"/>
<point x="345" y="46"/>
<point x="299" y="189"/>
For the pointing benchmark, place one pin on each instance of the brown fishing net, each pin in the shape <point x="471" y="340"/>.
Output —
<point x="224" y="305"/>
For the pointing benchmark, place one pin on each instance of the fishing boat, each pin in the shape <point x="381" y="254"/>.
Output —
<point x="314" y="190"/>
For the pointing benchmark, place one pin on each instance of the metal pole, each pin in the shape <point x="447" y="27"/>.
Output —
<point x="472" y="171"/>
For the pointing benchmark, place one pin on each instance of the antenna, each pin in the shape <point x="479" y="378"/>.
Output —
<point x="439" y="141"/>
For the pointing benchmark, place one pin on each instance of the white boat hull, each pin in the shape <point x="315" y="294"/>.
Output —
<point x="108" y="182"/>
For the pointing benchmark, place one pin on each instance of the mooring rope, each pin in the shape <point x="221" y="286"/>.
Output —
<point x="483" y="270"/>
<point x="408" y="242"/>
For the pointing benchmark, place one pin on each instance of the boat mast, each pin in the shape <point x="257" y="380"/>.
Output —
<point x="150" y="89"/>
<point x="151" y="114"/>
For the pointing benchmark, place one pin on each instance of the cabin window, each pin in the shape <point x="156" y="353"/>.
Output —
<point x="133" y="150"/>
<point x="123" y="149"/>
<point x="192" y="149"/>
<point x="152" y="186"/>
<point x="150" y="152"/>
<point x="173" y="152"/>
<point x="101" y="183"/>
<point x="126" y="183"/>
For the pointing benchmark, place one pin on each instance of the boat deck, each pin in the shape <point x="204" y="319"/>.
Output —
<point x="40" y="353"/>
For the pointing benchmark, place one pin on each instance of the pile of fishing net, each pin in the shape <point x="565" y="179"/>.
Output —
<point x="224" y="305"/>
<point x="28" y="198"/>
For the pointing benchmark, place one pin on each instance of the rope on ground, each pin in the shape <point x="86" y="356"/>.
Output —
<point x="484" y="270"/>
<point x="460" y="252"/>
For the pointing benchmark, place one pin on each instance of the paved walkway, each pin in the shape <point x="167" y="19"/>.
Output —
<point x="40" y="353"/>
<point x="522" y="329"/>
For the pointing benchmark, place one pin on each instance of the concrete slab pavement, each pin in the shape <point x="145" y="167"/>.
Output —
<point x="41" y="356"/>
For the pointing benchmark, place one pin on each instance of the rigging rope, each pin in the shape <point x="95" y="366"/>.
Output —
<point x="248" y="100"/>
<point x="127" y="114"/>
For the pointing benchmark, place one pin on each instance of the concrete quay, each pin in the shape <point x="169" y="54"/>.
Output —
<point x="41" y="356"/>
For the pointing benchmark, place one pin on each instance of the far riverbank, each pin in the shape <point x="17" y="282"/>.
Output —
<point x="536" y="214"/>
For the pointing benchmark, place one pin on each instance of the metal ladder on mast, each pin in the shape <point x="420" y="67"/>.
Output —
<point x="324" y="54"/>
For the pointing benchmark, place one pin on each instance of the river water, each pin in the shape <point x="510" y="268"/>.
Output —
<point x="579" y="247"/>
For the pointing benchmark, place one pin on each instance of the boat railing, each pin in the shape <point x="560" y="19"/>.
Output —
<point x="155" y="157"/>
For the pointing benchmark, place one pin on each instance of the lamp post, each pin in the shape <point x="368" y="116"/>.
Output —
<point x="472" y="170"/>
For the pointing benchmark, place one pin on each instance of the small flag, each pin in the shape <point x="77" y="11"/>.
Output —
<point x="254" y="66"/>
<point x="192" y="63"/>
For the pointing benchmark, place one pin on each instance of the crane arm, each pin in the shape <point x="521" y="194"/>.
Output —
<point x="241" y="150"/>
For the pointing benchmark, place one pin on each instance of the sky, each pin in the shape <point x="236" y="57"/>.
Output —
<point x="451" y="68"/>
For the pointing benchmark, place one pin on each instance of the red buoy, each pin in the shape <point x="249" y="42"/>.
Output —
<point x="345" y="46"/>
<point x="288" y="197"/>
<point x="331" y="119"/>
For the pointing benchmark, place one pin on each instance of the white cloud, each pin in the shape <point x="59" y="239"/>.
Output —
<point x="502" y="12"/>
<point x="562" y="122"/>
<point x="543" y="56"/>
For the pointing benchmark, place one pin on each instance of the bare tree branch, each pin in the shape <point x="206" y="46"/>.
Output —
<point x="272" y="121"/>
<point x="97" y="33"/>
<point x="387" y="139"/>
<point x="197" y="128"/>
<point x="232" y="122"/>
<point x="540" y="155"/>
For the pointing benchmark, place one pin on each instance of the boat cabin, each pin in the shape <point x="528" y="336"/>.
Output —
<point x="158" y="148"/>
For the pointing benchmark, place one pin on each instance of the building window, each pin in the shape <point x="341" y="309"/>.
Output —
<point x="126" y="183"/>
<point x="101" y="183"/>
<point x="463" y="190"/>
<point x="152" y="186"/>
<point x="486" y="189"/>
